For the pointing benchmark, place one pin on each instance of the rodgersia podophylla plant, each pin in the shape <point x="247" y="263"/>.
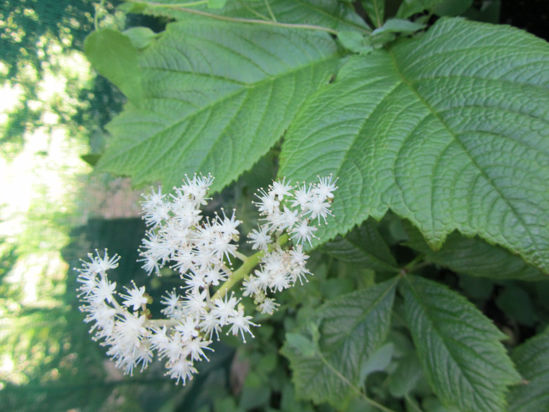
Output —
<point x="205" y="254"/>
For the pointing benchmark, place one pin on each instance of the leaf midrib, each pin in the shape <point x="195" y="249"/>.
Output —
<point x="247" y="88"/>
<point x="367" y="312"/>
<point x="433" y="324"/>
<point x="435" y="114"/>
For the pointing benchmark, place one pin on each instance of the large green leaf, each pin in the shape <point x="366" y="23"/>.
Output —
<point x="458" y="347"/>
<point x="217" y="96"/>
<point x="450" y="130"/>
<point x="532" y="360"/>
<point x="363" y="246"/>
<point x="353" y="327"/>
<point x="326" y="13"/>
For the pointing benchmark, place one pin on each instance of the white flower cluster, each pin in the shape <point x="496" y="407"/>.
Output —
<point x="286" y="211"/>
<point x="201" y="250"/>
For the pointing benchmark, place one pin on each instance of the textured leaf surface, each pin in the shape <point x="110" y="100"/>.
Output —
<point x="327" y="13"/>
<point x="474" y="257"/>
<point x="365" y="246"/>
<point x="532" y="360"/>
<point x="217" y="97"/>
<point x="353" y="327"/>
<point x="458" y="347"/>
<point x="449" y="130"/>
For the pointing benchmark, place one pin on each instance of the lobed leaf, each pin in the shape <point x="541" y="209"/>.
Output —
<point x="353" y="327"/>
<point x="449" y="130"/>
<point x="217" y="96"/>
<point x="458" y="347"/>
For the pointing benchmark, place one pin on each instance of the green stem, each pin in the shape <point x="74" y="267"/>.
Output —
<point x="413" y="265"/>
<point x="247" y="265"/>
<point x="98" y="9"/>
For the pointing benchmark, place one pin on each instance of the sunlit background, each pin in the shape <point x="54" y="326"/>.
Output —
<point x="54" y="209"/>
<point x="52" y="112"/>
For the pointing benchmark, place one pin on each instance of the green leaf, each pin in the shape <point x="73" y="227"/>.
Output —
<point x="363" y="246"/>
<point x="532" y="360"/>
<point x="326" y="13"/>
<point x="141" y="37"/>
<point x="449" y="130"/>
<point x="405" y="377"/>
<point x="216" y="4"/>
<point x="398" y="26"/>
<point x="355" y="41"/>
<point x="378" y="361"/>
<point x="217" y="97"/>
<point x="301" y="344"/>
<point x="439" y="7"/>
<point x="353" y="327"/>
<point x="91" y="158"/>
<point x="113" y="55"/>
<point x="517" y="305"/>
<point x="458" y="347"/>
<point x="474" y="257"/>
<point x="451" y="7"/>
<point x="375" y="9"/>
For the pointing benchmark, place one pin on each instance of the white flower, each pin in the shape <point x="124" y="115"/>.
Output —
<point x="302" y="197"/>
<point x="317" y="208"/>
<point x="228" y="226"/>
<point x="196" y="188"/>
<point x="98" y="264"/>
<point x="281" y="189"/>
<point x="180" y="370"/>
<point x="268" y="306"/>
<point x="171" y="302"/>
<point x="303" y="233"/>
<point x="104" y="290"/>
<point x="135" y="297"/>
<point x="251" y="286"/>
<point x="267" y="204"/>
<point x="187" y="328"/>
<point x="225" y="308"/>
<point x="155" y="209"/>
<point x="260" y="238"/>
<point x="195" y="347"/>
<point x="200" y="249"/>
<point x="325" y="188"/>
<point x="240" y="324"/>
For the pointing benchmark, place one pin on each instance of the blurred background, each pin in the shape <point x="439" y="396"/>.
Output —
<point x="54" y="209"/>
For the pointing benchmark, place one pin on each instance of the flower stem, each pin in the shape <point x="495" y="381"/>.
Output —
<point x="247" y="265"/>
